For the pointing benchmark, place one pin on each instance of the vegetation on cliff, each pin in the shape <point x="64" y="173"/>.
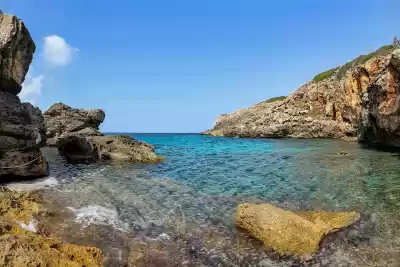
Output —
<point x="358" y="61"/>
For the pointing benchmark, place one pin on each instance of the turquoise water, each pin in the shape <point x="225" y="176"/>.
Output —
<point x="181" y="211"/>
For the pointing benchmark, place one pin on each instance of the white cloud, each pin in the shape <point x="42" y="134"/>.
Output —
<point x="31" y="88"/>
<point x="57" y="51"/>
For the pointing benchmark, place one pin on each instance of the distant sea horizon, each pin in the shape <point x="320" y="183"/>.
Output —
<point x="144" y="133"/>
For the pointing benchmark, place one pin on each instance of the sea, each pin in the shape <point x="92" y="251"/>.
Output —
<point x="180" y="212"/>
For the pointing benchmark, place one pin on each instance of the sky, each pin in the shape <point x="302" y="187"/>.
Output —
<point x="174" y="66"/>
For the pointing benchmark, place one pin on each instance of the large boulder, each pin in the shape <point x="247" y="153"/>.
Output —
<point x="78" y="149"/>
<point x="380" y="106"/>
<point x="62" y="120"/>
<point x="291" y="233"/>
<point x="22" y="130"/>
<point x="16" y="53"/>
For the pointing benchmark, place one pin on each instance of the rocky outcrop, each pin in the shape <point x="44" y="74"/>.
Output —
<point x="380" y="106"/>
<point x="16" y="52"/>
<point x="78" y="149"/>
<point x="291" y="233"/>
<point x="330" y="105"/>
<point x="22" y="130"/>
<point x="62" y="120"/>
<point x="20" y="247"/>
<point x="76" y="134"/>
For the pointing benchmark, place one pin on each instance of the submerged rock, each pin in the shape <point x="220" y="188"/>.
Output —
<point x="22" y="130"/>
<point x="62" y="120"/>
<point x="106" y="148"/>
<point x="291" y="233"/>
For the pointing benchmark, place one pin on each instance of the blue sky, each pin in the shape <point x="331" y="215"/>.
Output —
<point x="174" y="66"/>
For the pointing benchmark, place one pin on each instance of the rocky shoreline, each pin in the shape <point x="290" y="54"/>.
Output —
<point x="356" y="101"/>
<point x="24" y="130"/>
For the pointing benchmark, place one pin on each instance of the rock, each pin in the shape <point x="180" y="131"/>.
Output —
<point x="16" y="53"/>
<point x="22" y="130"/>
<point x="359" y="99"/>
<point x="380" y="107"/>
<point x="291" y="233"/>
<point x="78" y="149"/>
<point x="62" y="120"/>
<point x="19" y="247"/>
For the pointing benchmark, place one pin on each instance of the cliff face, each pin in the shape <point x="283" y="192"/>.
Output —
<point x="330" y="105"/>
<point x="22" y="130"/>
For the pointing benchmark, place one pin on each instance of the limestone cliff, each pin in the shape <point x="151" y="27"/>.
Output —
<point x="329" y="106"/>
<point x="22" y="130"/>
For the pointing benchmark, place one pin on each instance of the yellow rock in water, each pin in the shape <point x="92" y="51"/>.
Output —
<point x="288" y="232"/>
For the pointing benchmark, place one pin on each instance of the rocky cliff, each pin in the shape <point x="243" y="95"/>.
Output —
<point x="22" y="130"/>
<point x="359" y="98"/>
<point x="62" y="120"/>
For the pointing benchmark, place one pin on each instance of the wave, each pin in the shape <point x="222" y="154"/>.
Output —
<point x="33" y="185"/>
<point x="94" y="214"/>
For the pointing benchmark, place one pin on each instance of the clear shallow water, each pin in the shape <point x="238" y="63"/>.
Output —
<point x="180" y="212"/>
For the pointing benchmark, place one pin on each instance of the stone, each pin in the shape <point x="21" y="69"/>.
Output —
<point x="62" y="120"/>
<point x="22" y="130"/>
<point x="19" y="247"/>
<point x="291" y="233"/>
<point x="16" y="53"/>
<point x="77" y="149"/>
<point x="380" y="109"/>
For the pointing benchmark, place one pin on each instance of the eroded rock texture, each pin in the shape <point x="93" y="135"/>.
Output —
<point x="20" y="247"/>
<point x="62" y="120"/>
<point x="380" y="109"/>
<point x="291" y="233"/>
<point x="22" y="130"/>
<point x="78" y="149"/>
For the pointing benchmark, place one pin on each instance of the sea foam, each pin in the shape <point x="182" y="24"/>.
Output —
<point x="33" y="185"/>
<point x="94" y="214"/>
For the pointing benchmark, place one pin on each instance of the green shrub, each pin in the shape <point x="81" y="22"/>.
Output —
<point x="324" y="75"/>
<point x="341" y="71"/>
<point x="273" y="99"/>
<point x="383" y="51"/>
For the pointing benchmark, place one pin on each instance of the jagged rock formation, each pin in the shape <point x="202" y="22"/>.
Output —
<point x="106" y="148"/>
<point x="22" y="131"/>
<point x="76" y="134"/>
<point x="288" y="232"/>
<point x="62" y="120"/>
<point x="380" y="109"/>
<point x="330" y="105"/>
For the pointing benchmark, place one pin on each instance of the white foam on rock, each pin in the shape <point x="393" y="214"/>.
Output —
<point x="31" y="226"/>
<point x="94" y="214"/>
<point x="33" y="185"/>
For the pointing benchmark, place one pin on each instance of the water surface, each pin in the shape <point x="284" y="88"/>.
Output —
<point x="180" y="212"/>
